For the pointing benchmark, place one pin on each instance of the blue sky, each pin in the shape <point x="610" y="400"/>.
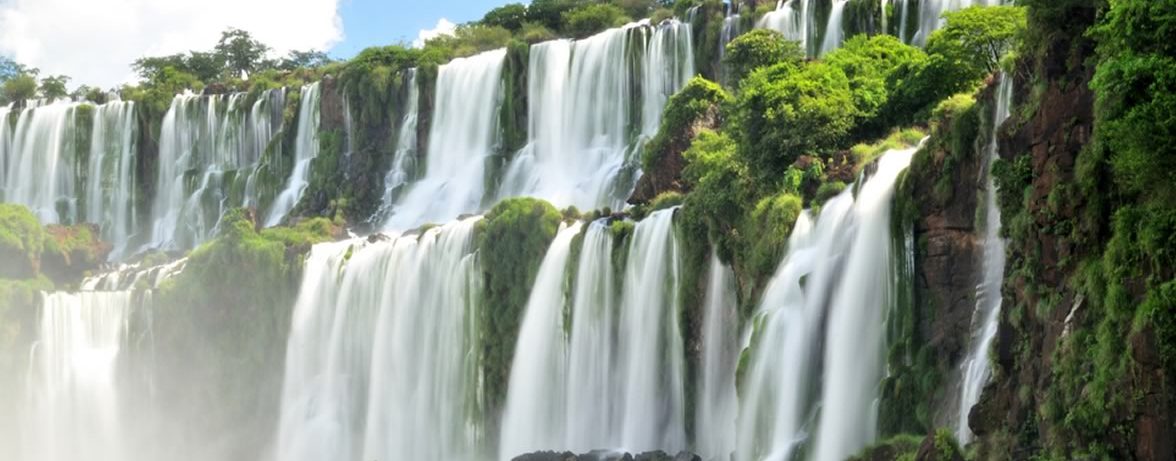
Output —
<point x="95" y="41"/>
<point x="383" y="22"/>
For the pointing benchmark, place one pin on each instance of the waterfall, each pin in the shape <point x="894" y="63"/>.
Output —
<point x="404" y="161"/>
<point x="267" y="116"/>
<point x="5" y="141"/>
<point x="986" y="317"/>
<point x="620" y="384"/>
<point x="72" y="390"/>
<point x="716" y="403"/>
<point x="817" y="336"/>
<point x="534" y="416"/>
<point x="835" y="30"/>
<point x="110" y="189"/>
<point x="380" y="361"/>
<point x="857" y="317"/>
<point x="592" y="104"/>
<point x="795" y="19"/>
<point x="461" y="140"/>
<point x="206" y="143"/>
<point x="39" y="161"/>
<point x="47" y="165"/>
<point x="306" y="148"/>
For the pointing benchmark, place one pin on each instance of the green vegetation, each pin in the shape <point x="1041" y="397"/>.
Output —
<point x="589" y="19"/>
<point x="975" y="39"/>
<point x="511" y="240"/>
<point x="756" y="49"/>
<point x="699" y="100"/>
<point x="21" y="242"/>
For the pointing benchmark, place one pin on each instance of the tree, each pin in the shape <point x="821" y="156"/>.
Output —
<point x="510" y="17"/>
<point x="978" y="37"/>
<point x="590" y="19"/>
<point x="304" y="59"/>
<point x="549" y="13"/>
<point x="759" y="48"/>
<point x="20" y="88"/>
<point x="783" y="112"/>
<point x="240" y="52"/>
<point x="53" y="87"/>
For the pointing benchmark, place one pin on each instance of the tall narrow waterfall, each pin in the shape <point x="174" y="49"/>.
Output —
<point x="835" y="29"/>
<point x="716" y="404"/>
<point x="536" y="401"/>
<point x="592" y="103"/>
<point x="404" y="161"/>
<point x="461" y="139"/>
<point x="986" y="317"/>
<point x="206" y="144"/>
<point x="110" y="183"/>
<point x="817" y="338"/>
<point x="306" y="148"/>
<point x="620" y="384"/>
<point x="380" y="358"/>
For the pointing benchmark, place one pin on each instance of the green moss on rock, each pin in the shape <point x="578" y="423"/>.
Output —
<point x="511" y="242"/>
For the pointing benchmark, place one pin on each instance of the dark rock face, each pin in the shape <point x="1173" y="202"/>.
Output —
<point x="607" y="455"/>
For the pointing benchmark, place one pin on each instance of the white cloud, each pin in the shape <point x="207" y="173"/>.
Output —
<point x="443" y="27"/>
<point x="95" y="41"/>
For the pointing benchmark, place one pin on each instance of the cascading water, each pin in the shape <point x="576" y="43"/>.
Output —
<point x="404" y="162"/>
<point x="40" y="164"/>
<point x="267" y="116"/>
<point x="206" y="143"/>
<point x="620" y="384"/>
<point x="534" y="416"/>
<point x="380" y="357"/>
<point x="817" y="336"/>
<point x="306" y="148"/>
<point x="46" y="165"/>
<point x="110" y="184"/>
<point x="73" y="408"/>
<point x="590" y="112"/>
<point x="716" y="403"/>
<point x="461" y="139"/>
<point x="834" y="30"/>
<point x="986" y="318"/>
<point x="795" y="19"/>
<point x="76" y="403"/>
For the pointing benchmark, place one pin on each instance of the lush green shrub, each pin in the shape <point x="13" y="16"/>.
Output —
<point x="592" y="18"/>
<point x="783" y="112"/>
<point x="1136" y="87"/>
<point x="535" y="33"/>
<point x="21" y="241"/>
<point x="757" y="49"/>
<point x="869" y="63"/>
<point x="699" y="99"/>
<point x="719" y="189"/>
<point x="511" y="240"/>
<point x="768" y="231"/>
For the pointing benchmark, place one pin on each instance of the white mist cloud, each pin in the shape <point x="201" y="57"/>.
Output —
<point x="95" y="41"/>
<point x="443" y="27"/>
